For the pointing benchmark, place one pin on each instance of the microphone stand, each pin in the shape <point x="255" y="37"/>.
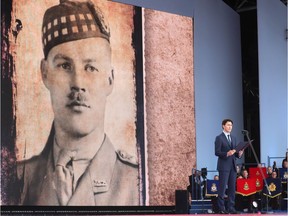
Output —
<point x="246" y="133"/>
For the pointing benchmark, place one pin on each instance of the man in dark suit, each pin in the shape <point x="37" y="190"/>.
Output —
<point x="79" y="165"/>
<point x="194" y="187"/>
<point x="225" y="145"/>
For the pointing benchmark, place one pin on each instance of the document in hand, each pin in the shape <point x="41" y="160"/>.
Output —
<point x="242" y="146"/>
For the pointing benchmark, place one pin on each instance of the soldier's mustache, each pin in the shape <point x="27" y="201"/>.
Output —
<point x="77" y="98"/>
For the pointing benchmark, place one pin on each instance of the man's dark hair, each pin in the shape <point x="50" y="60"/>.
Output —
<point x="226" y="120"/>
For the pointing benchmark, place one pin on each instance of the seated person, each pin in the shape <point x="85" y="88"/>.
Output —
<point x="284" y="183"/>
<point x="274" y="174"/>
<point x="238" y="169"/>
<point x="244" y="203"/>
<point x="285" y="165"/>
<point x="244" y="174"/>
<point x="269" y="171"/>
<point x="273" y="202"/>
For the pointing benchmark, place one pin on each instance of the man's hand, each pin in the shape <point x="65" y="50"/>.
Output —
<point x="231" y="152"/>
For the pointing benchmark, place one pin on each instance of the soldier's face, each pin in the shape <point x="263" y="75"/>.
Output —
<point x="79" y="76"/>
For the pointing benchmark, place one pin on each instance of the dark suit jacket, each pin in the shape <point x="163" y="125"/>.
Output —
<point x="221" y="148"/>
<point x="111" y="179"/>
<point x="195" y="186"/>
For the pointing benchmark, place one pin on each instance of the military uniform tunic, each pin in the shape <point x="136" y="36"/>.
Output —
<point x="111" y="179"/>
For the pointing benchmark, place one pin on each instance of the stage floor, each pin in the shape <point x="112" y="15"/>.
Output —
<point x="132" y="210"/>
<point x="244" y="214"/>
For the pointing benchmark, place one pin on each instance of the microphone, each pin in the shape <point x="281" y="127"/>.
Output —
<point x="245" y="132"/>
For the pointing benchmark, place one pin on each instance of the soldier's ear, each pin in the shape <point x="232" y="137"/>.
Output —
<point x="111" y="77"/>
<point x="111" y="82"/>
<point x="44" y="72"/>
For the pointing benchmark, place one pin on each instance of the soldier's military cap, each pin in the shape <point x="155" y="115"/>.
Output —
<point x="72" y="20"/>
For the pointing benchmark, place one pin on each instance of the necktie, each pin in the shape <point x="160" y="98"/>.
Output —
<point x="64" y="176"/>
<point x="229" y="140"/>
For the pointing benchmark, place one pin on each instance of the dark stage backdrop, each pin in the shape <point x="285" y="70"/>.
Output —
<point x="150" y="113"/>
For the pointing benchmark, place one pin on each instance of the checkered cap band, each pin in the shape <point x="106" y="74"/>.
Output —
<point x="72" y="20"/>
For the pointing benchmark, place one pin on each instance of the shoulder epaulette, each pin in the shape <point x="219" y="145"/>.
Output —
<point x="126" y="157"/>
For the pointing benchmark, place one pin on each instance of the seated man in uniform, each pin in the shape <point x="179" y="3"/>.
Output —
<point x="79" y="165"/>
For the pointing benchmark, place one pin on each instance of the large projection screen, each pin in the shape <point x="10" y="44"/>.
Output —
<point x="149" y="115"/>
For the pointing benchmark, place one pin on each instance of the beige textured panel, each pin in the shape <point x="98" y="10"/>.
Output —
<point x="169" y="98"/>
<point x="33" y="107"/>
